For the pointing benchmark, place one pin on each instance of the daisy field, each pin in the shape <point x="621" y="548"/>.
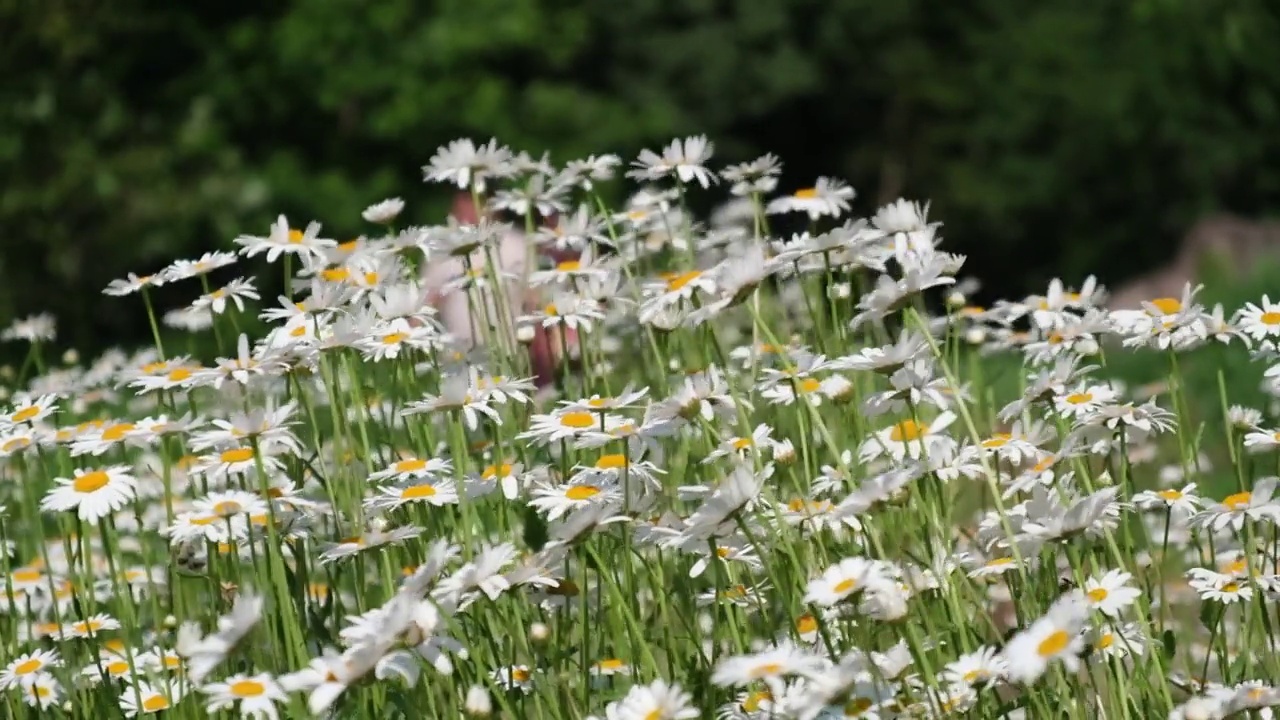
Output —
<point x="781" y="466"/>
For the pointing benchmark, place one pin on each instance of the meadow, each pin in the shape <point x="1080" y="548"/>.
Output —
<point x="769" y="474"/>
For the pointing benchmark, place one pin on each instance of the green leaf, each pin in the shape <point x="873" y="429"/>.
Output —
<point x="1210" y="615"/>
<point x="535" y="529"/>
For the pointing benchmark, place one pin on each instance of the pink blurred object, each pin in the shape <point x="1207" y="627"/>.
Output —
<point x="454" y="311"/>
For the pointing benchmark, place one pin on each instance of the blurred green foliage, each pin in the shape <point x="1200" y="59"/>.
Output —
<point x="1059" y="137"/>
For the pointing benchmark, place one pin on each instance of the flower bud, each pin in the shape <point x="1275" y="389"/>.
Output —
<point x="478" y="703"/>
<point x="784" y="452"/>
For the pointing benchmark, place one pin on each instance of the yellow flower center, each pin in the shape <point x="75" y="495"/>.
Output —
<point x="1230" y="587"/>
<point x="806" y="193"/>
<point x="119" y="667"/>
<point x="1079" y="398"/>
<point x="394" y="338"/>
<point x="564" y="588"/>
<point x="569" y="266"/>
<point x="28" y="667"/>
<point x="520" y="675"/>
<point x="26" y="414"/>
<point x="494" y="471"/>
<point x="298" y="331"/>
<point x="907" y="430"/>
<point x="844" y="586"/>
<point x="1054" y="644"/>
<point x="1000" y="562"/>
<point x="178" y="374"/>
<point x="741" y="443"/>
<point x="614" y="461"/>
<point x="578" y="420"/>
<point x="550" y="310"/>
<point x="337" y="274"/>
<point x="582" y="492"/>
<point x="228" y="507"/>
<point x="238" y="455"/>
<point x="91" y="482"/>
<point x="1106" y="641"/>
<point x="295" y="237"/>
<point x="410" y="465"/>
<point x="204" y="520"/>
<point x="857" y="707"/>
<point x="997" y="440"/>
<point x="974" y="676"/>
<point x="349" y="245"/>
<point x="611" y="664"/>
<point x="15" y="443"/>
<point x="1097" y="595"/>
<point x="247" y="688"/>
<point x="1170" y="495"/>
<point x="1167" y="305"/>
<point x="116" y="432"/>
<point x="808" y="385"/>
<point x="678" y="281"/>
<point x="1270" y="318"/>
<point x="765" y="670"/>
<point x="754" y="699"/>
<point x="417" y="492"/>
<point x="26" y="575"/>
<point x="1238" y="500"/>
<point x="806" y="624"/>
<point x="155" y="703"/>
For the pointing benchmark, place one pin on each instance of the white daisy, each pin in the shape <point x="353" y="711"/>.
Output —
<point x="686" y="159"/>
<point x="255" y="695"/>
<point x="93" y="494"/>
<point x="1056" y="636"/>
<point x="383" y="212"/>
<point x="1111" y="593"/>
<point x="23" y="669"/>
<point x="828" y="196"/>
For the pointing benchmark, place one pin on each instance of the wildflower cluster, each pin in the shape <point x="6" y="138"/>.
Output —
<point x="767" y="481"/>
